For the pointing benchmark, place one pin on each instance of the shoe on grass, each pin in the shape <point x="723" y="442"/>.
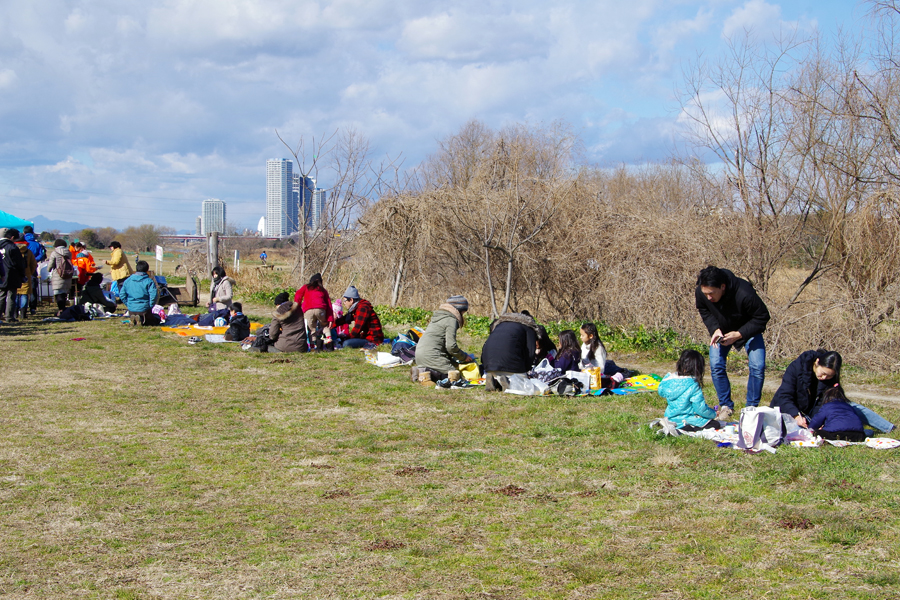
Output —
<point x="724" y="413"/>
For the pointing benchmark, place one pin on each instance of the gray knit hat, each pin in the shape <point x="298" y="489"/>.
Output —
<point x="459" y="303"/>
<point x="352" y="293"/>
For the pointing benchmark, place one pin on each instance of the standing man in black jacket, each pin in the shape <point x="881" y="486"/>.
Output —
<point x="12" y="274"/>
<point x="736" y="317"/>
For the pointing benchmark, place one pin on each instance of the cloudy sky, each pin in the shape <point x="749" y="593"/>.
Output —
<point x="121" y="112"/>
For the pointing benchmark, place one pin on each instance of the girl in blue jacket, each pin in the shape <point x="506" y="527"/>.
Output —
<point x="687" y="407"/>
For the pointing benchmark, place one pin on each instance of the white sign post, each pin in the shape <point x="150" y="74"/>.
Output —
<point x="237" y="261"/>
<point x="159" y="259"/>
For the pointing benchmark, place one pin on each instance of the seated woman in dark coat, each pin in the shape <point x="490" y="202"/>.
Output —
<point x="509" y="349"/>
<point x="805" y="381"/>
<point x="93" y="293"/>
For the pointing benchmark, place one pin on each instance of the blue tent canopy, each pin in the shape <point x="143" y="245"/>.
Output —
<point x="8" y="220"/>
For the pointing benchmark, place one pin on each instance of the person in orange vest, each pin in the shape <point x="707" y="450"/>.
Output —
<point x="85" y="263"/>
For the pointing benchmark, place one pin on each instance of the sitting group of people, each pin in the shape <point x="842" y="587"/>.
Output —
<point x="810" y="393"/>
<point x="515" y="345"/>
<point x="310" y="321"/>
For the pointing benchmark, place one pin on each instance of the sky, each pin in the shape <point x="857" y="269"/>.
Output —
<point x="123" y="112"/>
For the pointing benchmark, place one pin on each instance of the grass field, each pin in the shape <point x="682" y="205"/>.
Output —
<point x="133" y="465"/>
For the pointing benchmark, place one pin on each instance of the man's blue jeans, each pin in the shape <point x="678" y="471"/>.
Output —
<point x="756" y="359"/>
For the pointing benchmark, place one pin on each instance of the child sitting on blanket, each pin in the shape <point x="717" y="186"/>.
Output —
<point x="569" y="353"/>
<point x="687" y="408"/>
<point x="239" y="324"/>
<point x="836" y="419"/>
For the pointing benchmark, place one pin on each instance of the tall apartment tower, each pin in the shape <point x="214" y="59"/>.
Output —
<point x="213" y="216"/>
<point x="281" y="204"/>
<point x="317" y="214"/>
<point x="199" y="227"/>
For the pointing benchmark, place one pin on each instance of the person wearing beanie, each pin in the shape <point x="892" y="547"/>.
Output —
<point x="61" y="273"/>
<point x="366" y="325"/>
<point x="437" y="351"/>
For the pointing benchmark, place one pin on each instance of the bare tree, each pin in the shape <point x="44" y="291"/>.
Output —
<point x="342" y="158"/>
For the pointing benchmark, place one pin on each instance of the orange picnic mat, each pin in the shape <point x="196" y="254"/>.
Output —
<point x="192" y="330"/>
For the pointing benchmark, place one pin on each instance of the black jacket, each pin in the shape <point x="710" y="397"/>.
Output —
<point x="800" y="391"/>
<point x="740" y="309"/>
<point x="238" y="328"/>
<point x="12" y="272"/>
<point x="94" y="295"/>
<point x="511" y="344"/>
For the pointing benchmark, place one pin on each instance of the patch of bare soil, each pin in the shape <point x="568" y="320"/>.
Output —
<point x="336" y="494"/>
<point x="385" y="545"/>
<point x="410" y="471"/>
<point x="510" y="490"/>
<point x="795" y="523"/>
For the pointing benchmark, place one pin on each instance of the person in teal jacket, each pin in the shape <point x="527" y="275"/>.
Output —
<point x="687" y="407"/>
<point x="139" y="293"/>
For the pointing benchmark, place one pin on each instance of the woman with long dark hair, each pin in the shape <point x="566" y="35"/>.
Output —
<point x="805" y="381"/>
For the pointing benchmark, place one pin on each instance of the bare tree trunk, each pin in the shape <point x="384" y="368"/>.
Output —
<point x="395" y="295"/>
<point x="490" y="283"/>
<point x="212" y="251"/>
<point x="509" y="272"/>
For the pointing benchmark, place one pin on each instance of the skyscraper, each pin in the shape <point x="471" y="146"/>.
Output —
<point x="317" y="214"/>
<point x="304" y="188"/>
<point x="281" y="205"/>
<point x="213" y="216"/>
<point x="199" y="225"/>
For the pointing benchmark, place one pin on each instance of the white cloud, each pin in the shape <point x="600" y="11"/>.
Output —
<point x="7" y="78"/>
<point x="181" y="98"/>
<point x="757" y="17"/>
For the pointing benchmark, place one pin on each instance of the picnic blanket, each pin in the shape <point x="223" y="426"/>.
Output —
<point x="727" y="437"/>
<point x="198" y="330"/>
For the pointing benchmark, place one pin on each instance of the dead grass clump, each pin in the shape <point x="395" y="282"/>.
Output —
<point x="409" y="471"/>
<point x="665" y="457"/>
<point x="510" y="490"/>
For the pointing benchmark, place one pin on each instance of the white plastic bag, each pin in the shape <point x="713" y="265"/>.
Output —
<point x="521" y="385"/>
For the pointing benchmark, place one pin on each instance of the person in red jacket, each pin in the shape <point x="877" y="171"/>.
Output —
<point x="366" y="325"/>
<point x="315" y="303"/>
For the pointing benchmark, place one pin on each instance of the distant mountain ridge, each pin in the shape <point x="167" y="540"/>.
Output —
<point x="42" y="223"/>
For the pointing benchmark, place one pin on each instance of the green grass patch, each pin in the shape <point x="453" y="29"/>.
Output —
<point x="165" y="470"/>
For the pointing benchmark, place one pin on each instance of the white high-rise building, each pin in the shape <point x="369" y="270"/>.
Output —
<point x="213" y="216"/>
<point x="199" y="227"/>
<point x="317" y="214"/>
<point x="281" y="205"/>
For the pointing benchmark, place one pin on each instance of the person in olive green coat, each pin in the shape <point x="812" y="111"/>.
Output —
<point x="437" y="350"/>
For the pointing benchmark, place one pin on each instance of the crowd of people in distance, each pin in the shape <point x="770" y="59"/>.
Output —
<point x="733" y="313"/>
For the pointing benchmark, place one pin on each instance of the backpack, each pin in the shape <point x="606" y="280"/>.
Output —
<point x="66" y="270"/>
<point x="262" y="340"/>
